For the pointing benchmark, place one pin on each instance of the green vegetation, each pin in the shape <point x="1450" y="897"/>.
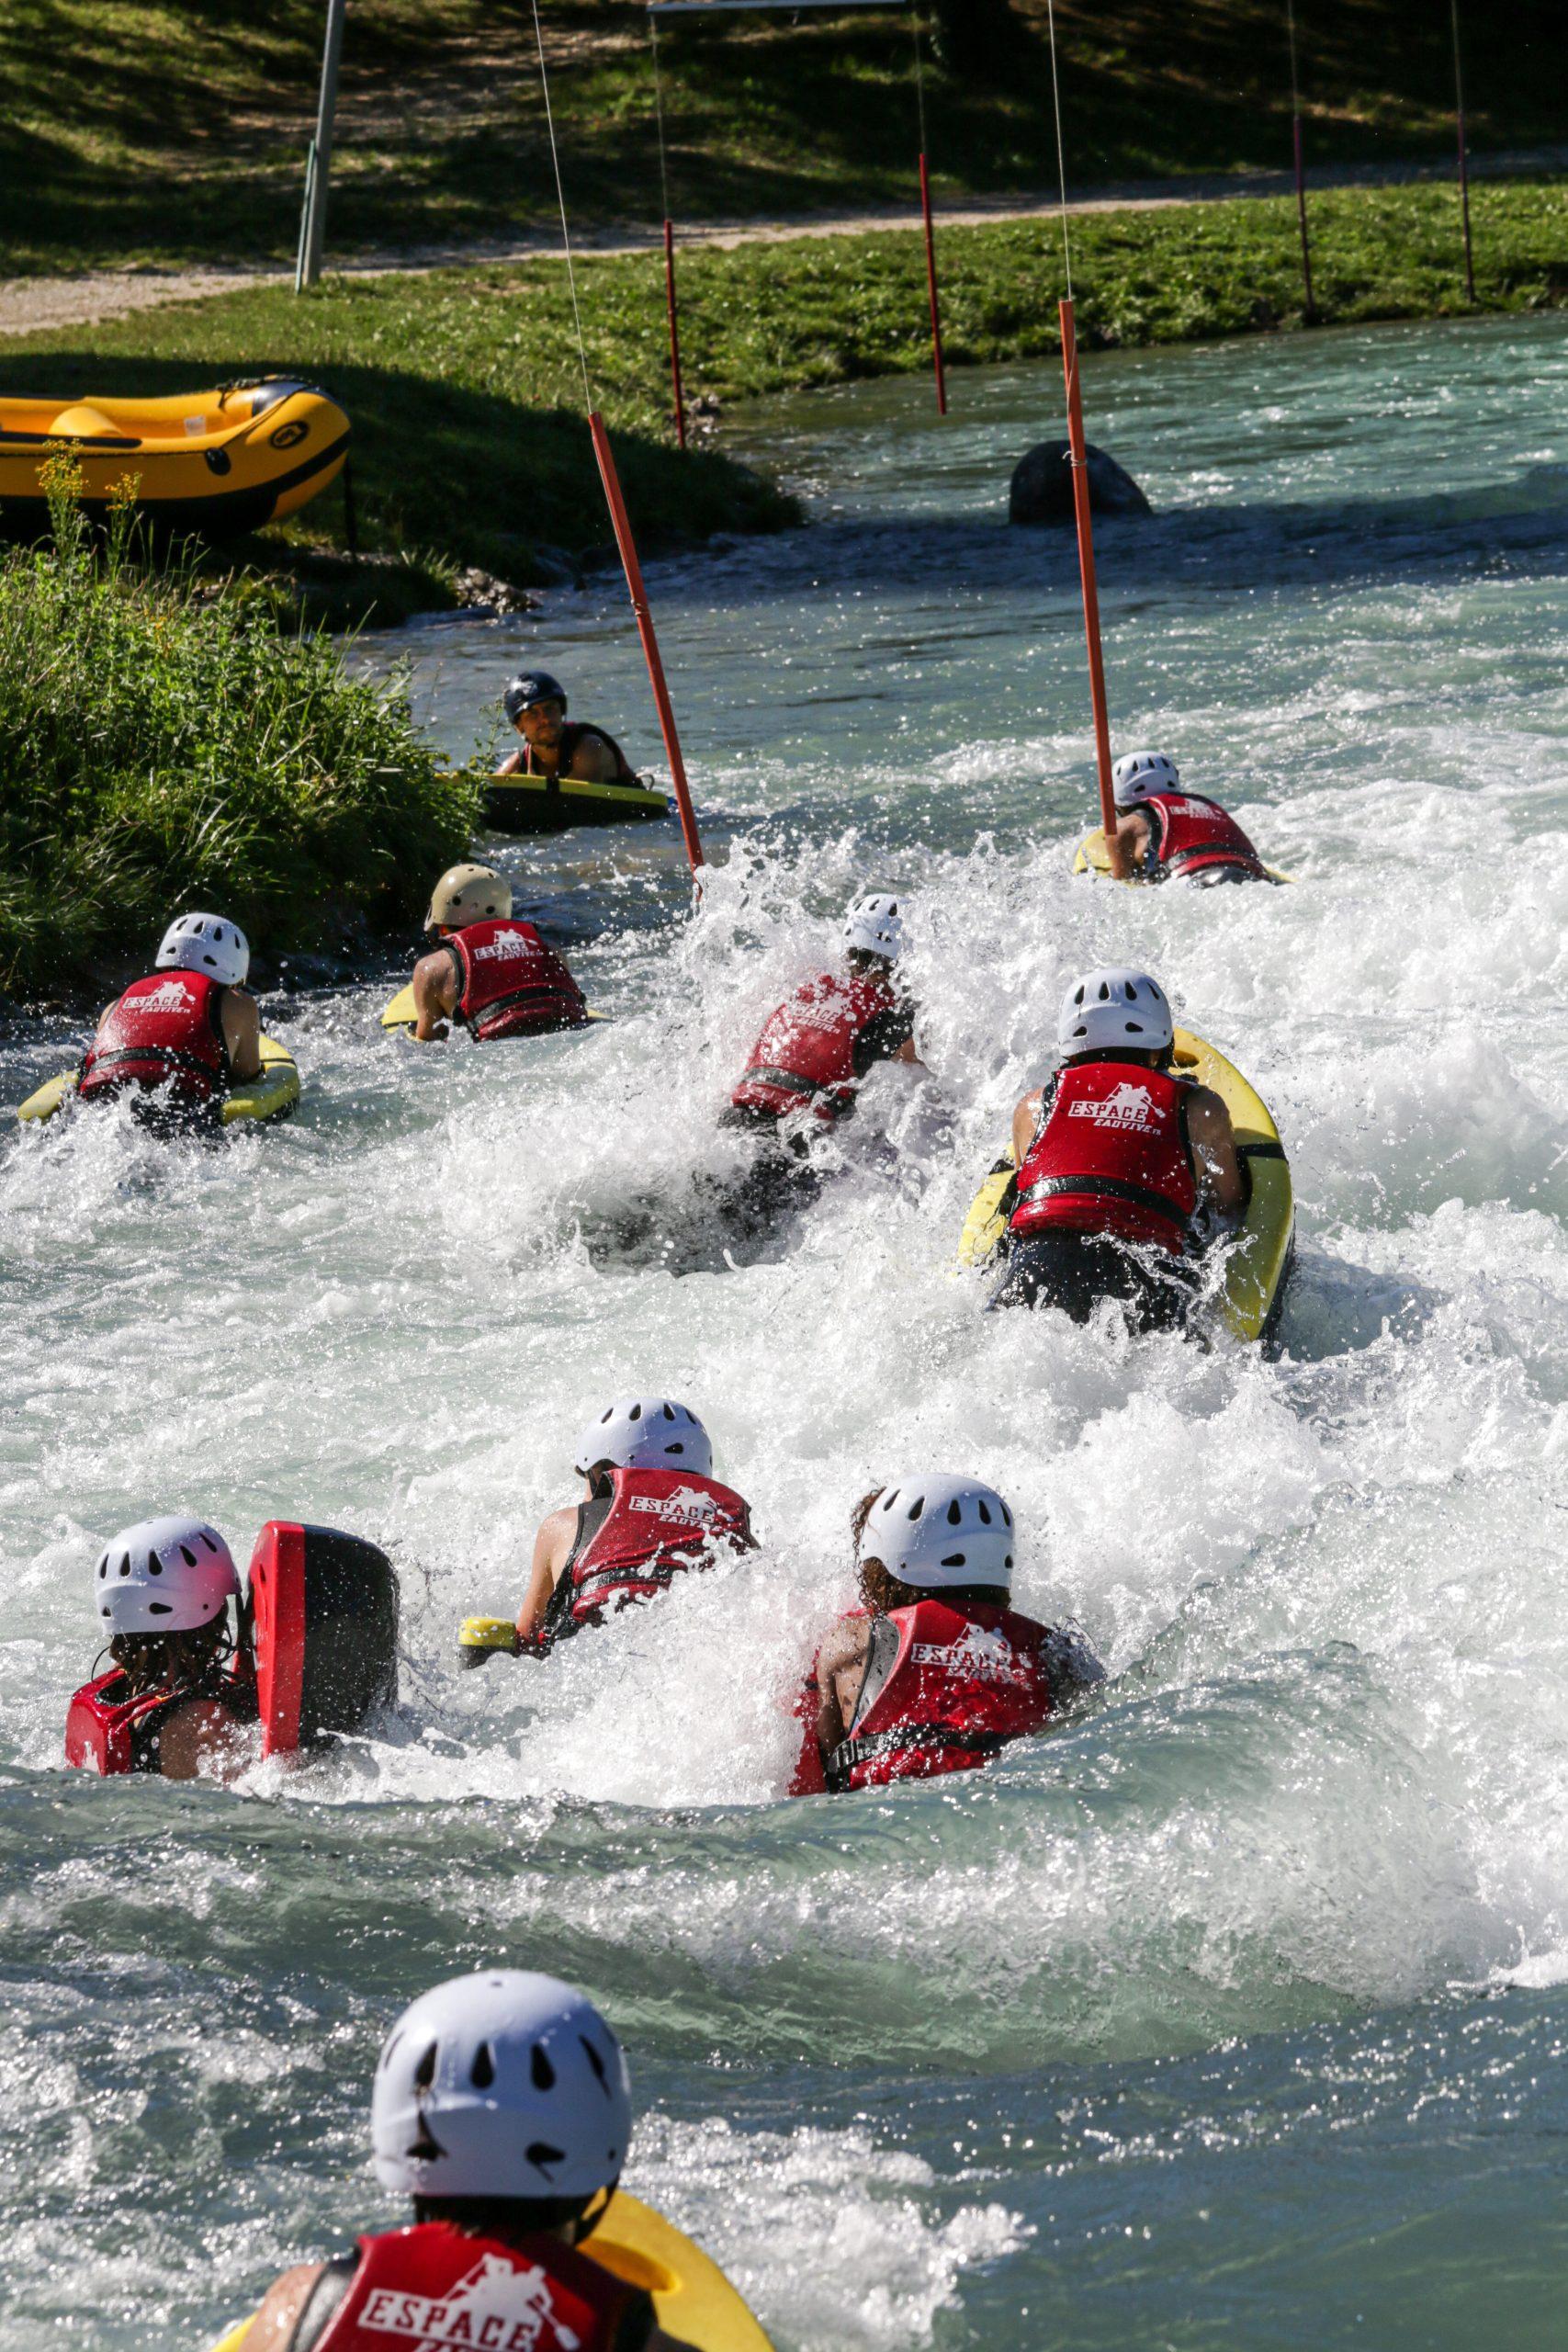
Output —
<point x="160" y="751"/>
<point x="175" y="130"/>
<point x="466" y="400"/>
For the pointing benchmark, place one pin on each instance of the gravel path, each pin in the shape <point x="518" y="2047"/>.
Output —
<point x="38" y="305"/>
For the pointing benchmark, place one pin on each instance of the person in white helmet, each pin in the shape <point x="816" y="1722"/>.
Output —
<point x="1119" y="1160"/>
<point x="487" y="969"/>
<point x="936" y="1671"/>
<point x="651" y="1510"/>
<point x="179" y="1696"/>
<point x="1167" y="834"/>
<point x="502" y="2107"/>
<point x="178" y="1041"/>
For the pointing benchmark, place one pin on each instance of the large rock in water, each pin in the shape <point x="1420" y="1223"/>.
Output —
<point x="1043" y="486"/>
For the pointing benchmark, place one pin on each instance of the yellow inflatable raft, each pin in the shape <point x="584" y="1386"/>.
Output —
<point x="271" y="1096"/>
<point x="1258" y="1260"/>
<point x="213" y="463"/>
<point x="694" y="2300"/>
<point x="535" y="804"/>
<point x="1091" y="856"/>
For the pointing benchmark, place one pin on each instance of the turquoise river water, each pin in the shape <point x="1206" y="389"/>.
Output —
<point x="1235" y="2013"/>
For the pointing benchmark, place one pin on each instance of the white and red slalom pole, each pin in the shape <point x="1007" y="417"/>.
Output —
<point x="1079" y="456"/>
<point x="638" y="594"/>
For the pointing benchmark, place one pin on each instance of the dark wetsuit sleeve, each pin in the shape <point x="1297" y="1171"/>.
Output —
<point x="884" y="1035"/>
<point x="636" y="2323"/>
<point x="326" y="2296"/>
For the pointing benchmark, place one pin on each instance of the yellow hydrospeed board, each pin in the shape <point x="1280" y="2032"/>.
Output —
<point x="1257" y="1259"/>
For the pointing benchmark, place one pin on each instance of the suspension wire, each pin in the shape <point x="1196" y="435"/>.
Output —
<point x="1061" y="149"/>
<point x="915" y="30"/>
<point x="560" y="199"/>
<point x="658" y="112"/>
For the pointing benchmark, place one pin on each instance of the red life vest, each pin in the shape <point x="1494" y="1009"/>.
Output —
<point x="166" y="1028"/>
<point x="805" y="1054"/>
<point x="511" y="984"/>
<point x="430" y="2286"/>
<point x="1109" y="1155"/>
<point x="953" y="1684"/>
<point x="636" y="1540"/>
<point x="108" y="1733"/>
<point x="1189" y="834"/>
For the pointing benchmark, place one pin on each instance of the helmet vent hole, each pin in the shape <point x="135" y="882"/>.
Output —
<point x="541" y="2155"/>
<point x="154" y="1566"/>
<point x="187" y="1556"/>
<point x="669" y="1412"/>
<point x="597" y="2064"/>
<point x="125" y="1564"/>
<point x="160" y="1608"/>
<point x="481" y="2073"/>
<point x="104" y="1566"/>
<point x="954" y="1513"/>
<point x="676" y="1447"/>
<point x="540" y="2068"/>
<point x="1006" y="1516"/>
<point x="984" y="1512"/>
<point x="425" y="2073"/>
<point x="915" y="1508"/>
<point x="955" y="1560"/>
<point x="636" y="1413"/>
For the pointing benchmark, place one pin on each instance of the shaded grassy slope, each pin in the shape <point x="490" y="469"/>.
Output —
<point x="468" y="403"/>
<point x="177" y="129"/>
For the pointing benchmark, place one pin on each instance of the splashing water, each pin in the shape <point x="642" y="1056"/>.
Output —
<point x="1234" y="2011"/>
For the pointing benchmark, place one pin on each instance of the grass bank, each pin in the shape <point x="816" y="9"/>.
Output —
<point x="175" y="130"/>
<point x="160" y="754"/>
<point x="467" y="402"/>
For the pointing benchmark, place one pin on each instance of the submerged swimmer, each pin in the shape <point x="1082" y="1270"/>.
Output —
<point x="491" y="974"/>
<point x="1120" y="1162"/>
<point x="936" y="1671"/>
<point x="813" y="1054"/>
<point x="502" y="2107"/>
<point x="180" y="1698"/>
<point x="554" y="746"/>
<point x="651" y="1510"/>
<point x="1167" y="834"/>
<point x="178" y="1041"/>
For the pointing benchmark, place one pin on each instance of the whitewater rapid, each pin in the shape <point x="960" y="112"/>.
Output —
<point x="1182" y="2016"/>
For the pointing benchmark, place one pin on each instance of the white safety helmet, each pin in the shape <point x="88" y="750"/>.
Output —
<point x="933" y="1529"/>
<point x="646" y="1434"/>
<point x="206" y="943"/>
<point x="874" y="925"/>
<point x="164" y="1575"/>
<point x="1137" y="773"/>
<point x="505" y="2083"/>
<point x="1115" y="1008"/>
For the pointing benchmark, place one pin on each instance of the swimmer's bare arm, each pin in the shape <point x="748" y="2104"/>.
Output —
<point x="841" y="1670"/>
<point x="1216" y="1160"/>
<point x="1134" y="832"/>
<point x="594" y="762"/>
<point x="202" y="1741"/>
<point x="286" y="2297"/>
<point x="551" y="1547"/>
<point x="242" y="1033"/>
<point x="1025" y="1119"/>
<point x="434" y="994"/>
<point x="512" y="765"/>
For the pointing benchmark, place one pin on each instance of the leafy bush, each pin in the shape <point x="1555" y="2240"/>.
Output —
<point x="162" y="751"/>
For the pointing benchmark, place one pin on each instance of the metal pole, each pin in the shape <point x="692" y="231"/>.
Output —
<point x="1310" y="310"/>
<point x="674" y="332"/>
<point x="1463" y="160"/>
<point x="305" y="218"/>
<point x="638" y="594"/>
<point x="1080" y="460"/>
<point x="931" y="288"/>
<point x="316" y="219"/>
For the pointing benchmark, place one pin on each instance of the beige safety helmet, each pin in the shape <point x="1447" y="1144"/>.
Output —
<point x="467" y="894"/>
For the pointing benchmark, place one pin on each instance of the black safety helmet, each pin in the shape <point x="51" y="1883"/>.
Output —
<point x="528" y="687"/>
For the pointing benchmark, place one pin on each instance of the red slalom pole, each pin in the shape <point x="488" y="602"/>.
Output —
<point x="674" y="332"/>
<point x="1080" y="459"/>
<point x="638" y="594"/>
<point x="931" y="288"/>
